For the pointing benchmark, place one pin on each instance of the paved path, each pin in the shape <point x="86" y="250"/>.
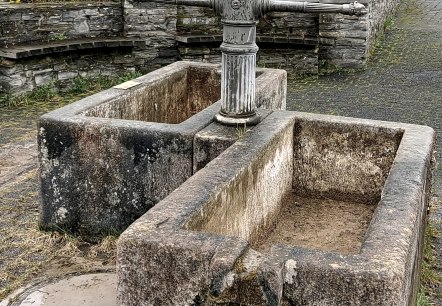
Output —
<point x="403" y="82"/>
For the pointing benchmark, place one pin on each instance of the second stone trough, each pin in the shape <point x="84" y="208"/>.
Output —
<point x="108" y="158"/>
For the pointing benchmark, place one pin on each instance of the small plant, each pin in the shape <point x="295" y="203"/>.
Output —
<point x="388" y="24"/>
<point x="80" y="85"/>
<point x="59" y="36"/>
<point x="43" y="93"/>
<point x="241" y="131"/>
<point x="128" y="76"/>
<point x="422" y="299"/>
<point x="39" y="94"/>
<point x="430" y="277"/>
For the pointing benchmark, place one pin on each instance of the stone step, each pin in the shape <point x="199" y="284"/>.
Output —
<point x="30" y="50"/>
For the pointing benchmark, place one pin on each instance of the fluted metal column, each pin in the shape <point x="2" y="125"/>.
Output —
<point x="238" y="73"/>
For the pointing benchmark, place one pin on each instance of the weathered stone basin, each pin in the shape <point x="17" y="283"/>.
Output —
<point x="215" y="241"/>
<point x="108" y="158"/>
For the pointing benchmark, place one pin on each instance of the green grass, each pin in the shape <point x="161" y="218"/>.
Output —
<point x="430" y="278"/>
<point x="241" y="131"/>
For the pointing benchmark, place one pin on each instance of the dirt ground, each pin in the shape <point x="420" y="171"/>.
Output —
<point x="28" y="255"/>
<point x="320" y="224"/>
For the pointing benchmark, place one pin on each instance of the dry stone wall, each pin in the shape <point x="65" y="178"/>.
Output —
<point x="25" y="23"/>
<point x="156" y="23"/>
<point x="346" y="41"/>
<point x="300" y="43"/>
<point x="60" y="69"/>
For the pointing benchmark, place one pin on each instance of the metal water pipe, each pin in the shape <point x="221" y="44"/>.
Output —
<point x="239" y="20"/>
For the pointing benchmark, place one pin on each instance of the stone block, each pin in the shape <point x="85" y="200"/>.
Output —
<point x="141" y="140"/>
<point x="43" y="79"/>
<point x="215" y="238"/>
<point x="81" y="26"/>
<point x="66" y="75"/>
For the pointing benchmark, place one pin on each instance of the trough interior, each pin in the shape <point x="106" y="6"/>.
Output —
<point x="338" y="173"/>
<point x="172" y="99"/>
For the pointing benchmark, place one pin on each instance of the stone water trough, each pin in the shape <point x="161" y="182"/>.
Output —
<point x="108" y="158"/>
<point x="303" y="209"/>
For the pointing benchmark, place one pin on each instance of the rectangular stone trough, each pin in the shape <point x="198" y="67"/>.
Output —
<point x="108" y="158"/>
<point x="304" y="209"/>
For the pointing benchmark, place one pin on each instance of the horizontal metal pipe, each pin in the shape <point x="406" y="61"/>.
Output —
<point x="309" y="7"/>
<point x="205" y="3"/>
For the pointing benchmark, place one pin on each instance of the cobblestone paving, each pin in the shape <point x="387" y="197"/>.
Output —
<point x="403" y="82"/>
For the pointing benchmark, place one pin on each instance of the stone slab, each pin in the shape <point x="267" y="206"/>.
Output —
<point x="98" y="289"/>
<point x="275" y="39"/>
<point x="216" y="138"/>
<point x="23" y="51"/>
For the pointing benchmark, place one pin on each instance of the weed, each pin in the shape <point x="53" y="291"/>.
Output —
<point x="388" y="23"/>
<point x="241" y="131"/>
<point x="80" y="85"/>
<point x="83" y="85"/>
<point x="59" y="36"/>
<point x="43" y="93"/>
<point x="422" y="299"/>
<point x="38" y="94"/>
<point x="430" y="278"/>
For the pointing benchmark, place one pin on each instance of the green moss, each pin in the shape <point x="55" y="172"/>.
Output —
<point x="430" y="277"/>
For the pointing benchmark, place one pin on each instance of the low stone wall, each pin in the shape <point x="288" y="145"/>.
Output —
<point x="344" y="41"/>
<point x="39" y="22"/>
<point x="156" y="23"/>
<point x="59" y="69"/>
<point x="299" y="43"/>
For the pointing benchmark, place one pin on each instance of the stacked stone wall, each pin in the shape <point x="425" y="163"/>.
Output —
<point x="192" y="20"/>
<point x="156" y="23"/>
<point x="60" y="69"/>
<point x="346" y="41"/>
<point x="300" y="43"/>
<point x="40" y="22"/>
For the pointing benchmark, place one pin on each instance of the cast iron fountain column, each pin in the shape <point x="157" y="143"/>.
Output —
<point x="239" y="19"/>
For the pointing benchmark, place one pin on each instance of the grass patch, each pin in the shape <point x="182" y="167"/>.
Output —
<point x="241" y="131"/>
<point x="431" y="280"/>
